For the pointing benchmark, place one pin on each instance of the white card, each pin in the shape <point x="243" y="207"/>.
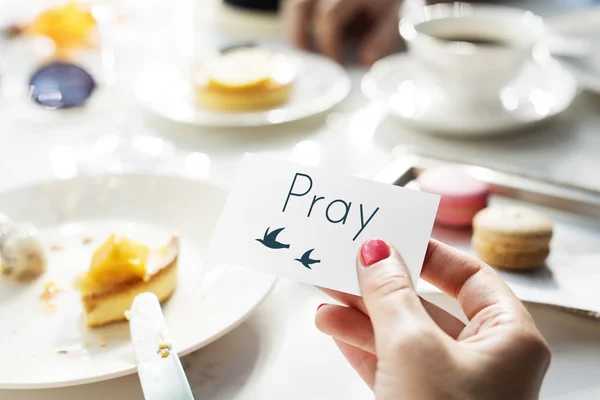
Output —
<point x="307" y="224"/>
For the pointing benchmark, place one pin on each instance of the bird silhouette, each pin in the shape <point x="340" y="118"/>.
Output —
<point x="306" y="260"/>
<point x="270" y="239"/>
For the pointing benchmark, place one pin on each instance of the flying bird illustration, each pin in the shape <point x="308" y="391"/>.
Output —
<point x="270" y="239"/>
<point x="306" y="260"/>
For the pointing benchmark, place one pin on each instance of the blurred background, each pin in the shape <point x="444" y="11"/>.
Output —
<point x="122" y="103"/>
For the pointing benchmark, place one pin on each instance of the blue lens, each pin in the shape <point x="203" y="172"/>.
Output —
<point x="61" y="85"/>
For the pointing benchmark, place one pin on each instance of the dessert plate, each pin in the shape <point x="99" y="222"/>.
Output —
<point x="44" y="340"/>
<point x="166" y="91"/>
<point x="583" y="26"/>
<point x="542" y="90"/>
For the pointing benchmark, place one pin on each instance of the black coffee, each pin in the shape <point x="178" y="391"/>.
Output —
<point x="479" y="41"/>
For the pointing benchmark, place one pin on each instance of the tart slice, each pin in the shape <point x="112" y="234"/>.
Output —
<point x="120" y="270"/>
<point x="245" y="78"/>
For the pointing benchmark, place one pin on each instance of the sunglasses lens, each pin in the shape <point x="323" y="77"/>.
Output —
<point x="61" y="85"/>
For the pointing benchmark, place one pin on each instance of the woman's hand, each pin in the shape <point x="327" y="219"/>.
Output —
<point x="404" y="347"/>
<point x="327" y="24"/>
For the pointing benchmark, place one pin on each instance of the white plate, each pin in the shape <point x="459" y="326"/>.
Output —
<point x="321" y="84"/>
<point x="582" y="25"/>
<point x="542" y="90"/>
<point x="208" y="302"/>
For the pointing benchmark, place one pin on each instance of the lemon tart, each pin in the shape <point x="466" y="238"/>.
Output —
<point x="120" y="270"/>
<point x="244" y="79"/>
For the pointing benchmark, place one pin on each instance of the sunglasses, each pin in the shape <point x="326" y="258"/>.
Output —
<point x="61" y="85"/>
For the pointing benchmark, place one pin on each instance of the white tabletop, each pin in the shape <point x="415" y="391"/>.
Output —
<point x="278" y="353"/>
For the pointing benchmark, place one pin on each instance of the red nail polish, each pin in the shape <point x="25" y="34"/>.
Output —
<point x="320" y="305"/>
<point x="374" y="250"/>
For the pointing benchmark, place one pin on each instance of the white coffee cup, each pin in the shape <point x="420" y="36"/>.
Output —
<point x="471" y="72"/>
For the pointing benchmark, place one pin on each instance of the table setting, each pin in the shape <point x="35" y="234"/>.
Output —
<point x="144" y="151"/>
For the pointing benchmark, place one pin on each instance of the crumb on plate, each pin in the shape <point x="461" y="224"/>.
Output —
<point x="56" y="247"/>
<point x="48" y="307"/>
<point x="50" y="291"/>
<point x="103" y="342"/>
<point x="62" y="351"/>
<point x="87" y="240"/>
<point x="47" y="297"/>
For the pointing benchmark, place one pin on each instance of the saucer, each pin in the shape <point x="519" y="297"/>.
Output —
<point x="164" y="90"/>
<point x="542" y="90"/>
<point x="585" y="26"/>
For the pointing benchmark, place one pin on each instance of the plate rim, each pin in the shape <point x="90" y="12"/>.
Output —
<point x="267" y="280"/>
<point x="567" y="21"/>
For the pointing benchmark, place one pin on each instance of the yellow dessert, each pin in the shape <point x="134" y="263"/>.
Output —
<point x="245" y="78"/>
<point x="120" y="270"/>
<point x="69" y="26"/>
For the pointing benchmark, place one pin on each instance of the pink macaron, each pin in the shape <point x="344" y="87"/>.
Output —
<point x="461" y="195"/>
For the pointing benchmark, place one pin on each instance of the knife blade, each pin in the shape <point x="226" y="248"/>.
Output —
<point x="159" y="369"/>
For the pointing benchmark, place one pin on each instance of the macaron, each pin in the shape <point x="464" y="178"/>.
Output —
<point x="512" y="237"/>
<point x="461" y="195"/>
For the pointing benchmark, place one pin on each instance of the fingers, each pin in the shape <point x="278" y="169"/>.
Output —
<point x="382" y="40"/>
<point x="365" y="364"/>
<point x="346" y="324"/>
<point x="451" y="325"/>
<point x="297" y="16"/>
<point x="350" y="325"/>
<point x="474" y="284"/>
<point x="388" y="293"/>
<point x="345" y="298"/>
<point x="331" y="17"/>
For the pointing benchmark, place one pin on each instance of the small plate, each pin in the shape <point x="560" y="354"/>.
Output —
<point x="585" y="26"/>
<point x="47" y="344"/>
<point x="321" y="84"/>
<point x="542" y="90"/>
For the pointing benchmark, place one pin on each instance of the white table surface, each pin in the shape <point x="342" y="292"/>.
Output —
<point x="278" y="353"/>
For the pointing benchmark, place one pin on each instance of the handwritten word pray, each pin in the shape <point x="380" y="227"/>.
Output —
<point x="337" y="204"/>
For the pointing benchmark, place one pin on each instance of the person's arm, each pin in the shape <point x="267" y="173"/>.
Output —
<point x="329" y="25"/>
<point x="324" y="25"/>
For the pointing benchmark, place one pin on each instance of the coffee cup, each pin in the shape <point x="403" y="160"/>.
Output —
<point x="471" y="51"/>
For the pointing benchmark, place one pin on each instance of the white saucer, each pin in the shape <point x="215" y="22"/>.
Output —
<point x="581" y="25"/>
<point x="43" y="349"/>
<point x="542" y="90"/>
<point x="322" y="84"/>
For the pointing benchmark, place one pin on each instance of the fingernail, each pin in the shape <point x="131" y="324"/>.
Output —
<point x="374" y="250"/>
<point x="320" y="305"/>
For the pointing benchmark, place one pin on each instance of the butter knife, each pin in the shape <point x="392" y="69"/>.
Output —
<point x="159" y="369"/>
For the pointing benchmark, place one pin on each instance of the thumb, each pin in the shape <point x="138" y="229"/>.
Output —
<point x="388" y="292"/>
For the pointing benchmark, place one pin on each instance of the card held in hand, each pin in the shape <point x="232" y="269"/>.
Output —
<point x="308" y="224"/>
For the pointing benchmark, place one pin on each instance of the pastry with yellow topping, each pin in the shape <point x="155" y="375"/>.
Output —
<point x="69" y="26"/>
<point x="120" y="270"/>
<point x="245" y="78"/>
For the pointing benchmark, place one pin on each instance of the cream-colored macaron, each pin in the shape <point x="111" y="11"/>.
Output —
<point x="512" y="237"/>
